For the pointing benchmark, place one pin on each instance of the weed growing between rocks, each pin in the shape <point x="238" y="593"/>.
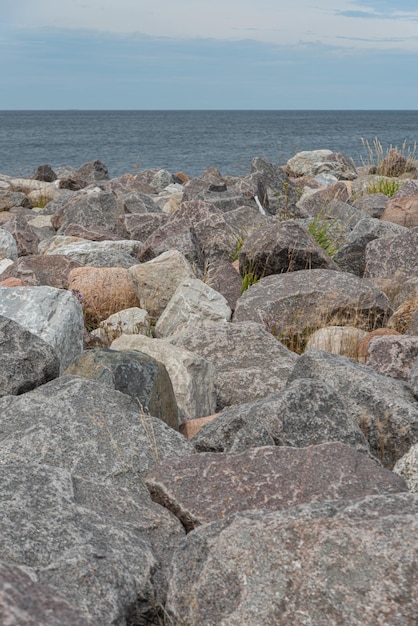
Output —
<point x="322" y="230"/>
<point x="392" y="162"/>
<point x="387" y="186"/>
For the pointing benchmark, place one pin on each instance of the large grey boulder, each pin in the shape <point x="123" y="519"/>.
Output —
<point x="156" y="281"/>
<point x="192" y="377"/>
<point x="407" y="467"/>
<point x="209" y="486"/>
<point x="36" y="270"/>
<point x="54" y="315"/>
<point x="385" y="409"/>
<point x="24" y="602"/>
<point x="26" y="360"/>
<point x="282" y="247"/>
<point x="193" y="304"/>
<point x="176" y="234"/>
<point x="351" y="257"/>
<point x="373" y="205"/>
<point x="121" y="253"/>
<point x="293" y="303"/>
<point x="86" y="427"/>
<point x="95" y="209"/>
<point x="307" y="412"/>
<point x="140" y="226"/>
<point x="314" y="162"/>
<point x="250" y="363"/>
<point x="331" y="563"/>
<point x="134" y="373"/>
<point x="137" y="202"/>
<point x="104" y="550"/>
<point x="393" y="259"/>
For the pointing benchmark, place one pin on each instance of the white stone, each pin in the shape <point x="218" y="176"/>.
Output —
<point x="132" y="321"/>
<point x="8" y="246"/>
<point x="342" y="340"/>
<point x="192" y="377"/>
<point x="53" y="314"/>
<point x="193" y="304"/>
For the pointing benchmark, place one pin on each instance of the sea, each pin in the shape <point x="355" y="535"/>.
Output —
<point x="191" y="141"/>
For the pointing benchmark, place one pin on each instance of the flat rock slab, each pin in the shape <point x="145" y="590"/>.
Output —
<point x="328" y="564"/>
<point x="209" y="486"/>
<point x="100" y="548"/>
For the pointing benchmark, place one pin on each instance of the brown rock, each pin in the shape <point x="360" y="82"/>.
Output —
<point x="402" y="211"/>
<point x="190" y="428"/>
<point x="102" y="291"/>
<point x="363" y="345"/>
<point x="12" y="282"/>
<point x="206" y="487"/>
<point x="51" y="270"/>
<point x="393" y="356"/>
<point x="402" y="317"/>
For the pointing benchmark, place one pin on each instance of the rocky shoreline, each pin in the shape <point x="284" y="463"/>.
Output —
<point x="209" y="395"/>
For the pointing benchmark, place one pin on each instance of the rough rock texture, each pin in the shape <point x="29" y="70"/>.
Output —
<point x="407" y="467"/>
<point x="207" y="487"/>
<point x="332" y="563"/>
<point x="87" y="428"/>
<point x="363" y="346"/>
<point x="156" y="281"/>
<point x="394" y="259"/>
<point x="193" y="304"/>
<point x="290" y="303"/>
<point x="90" y="210"/>
<point x="373" y="204"/>
<point x="282" y="247"/>
<point x="224" y="277"/>
<point x="26" y="360"/>
<point x="342" y="340"/>
<point x="384" y="408"/>
<point x="140" y="226"/>
<point x="24" y="234"/>
<point x="54" y="315"/>
<point x="96" y="546"/>
<point x="121" y="253"/>
<point x="11" y="199"/>
<point x="24" y="602"/>
<point x="393" y="355"/>
<point x="250" y="363"/>
<point x="193" y="377"/>
<point x="402" y="318"/>
<point x="39" y="270"/>
<point x="351" y="257"/>
<point x="134" y="373"/>
<point x="8" y="247"/>
<point x="312" y="163"/>
<point x="216" y="238"/>
<point x="102" y="291"/>
<point x="136" y="202"/>
<point x="329" y="203"/>
<point x="176" y="234"/>
<point x="131" y="321"/>
<point x="307" y="412"/>
<point x="403" y="211"/>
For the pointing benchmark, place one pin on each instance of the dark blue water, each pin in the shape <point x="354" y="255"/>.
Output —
<point x="127" y="141"/>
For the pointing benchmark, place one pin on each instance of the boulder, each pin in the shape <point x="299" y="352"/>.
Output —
<point x="26" y="360"/>
<point x="91" y="173"/>
<point x="24" y="602"/>
<point x="24" y="235"/>
<point x="393" y="355"/>
<point x="363" y="346"/>
<point x="193" y="377"/>
<point x="36" y="270"/>
<point x="193" y="304"/>
<point x="161" y="180"/>
<point x="351" y="257"/>
<point x="8" y="247"/>
<point x="393" y="259"/>
<point x="156" y="281"/>
<point x="384" y="408"/>
<point x="403" y="211"/>
<point x="223" y="277"/>
<point x="11" y="199"/>
<point x="54" y="315"/>
<point x="316" y="202"/>
<point x="132" y="321"/>
<point x="250" y="363"/>
<point x="90" y="210"/>
<point x="402" y="318"/>
<point x="134" y="373"/>
<point x="407" y="467"/>
<point x="85" y="426"/>
<point x="373" y="204"/>
<point x="45" y="173"/>
<point x="99" y="548"/>
<point x="279" y="248"/>
<point x="292" y="305"/>
<point x="342" y="340"/>
<point x="173" y="235"/>
<point x="140" y="226"/>
<point x="312" y="163"/>
<point x="209" y="486"/>
<point x="216" y="238"/>
<point x="328" y="563"/>
<point x="137" y="202"/>
<point x="307" y="412"/>
<point x="102" y="291"/>
<point x="122" y="253"/>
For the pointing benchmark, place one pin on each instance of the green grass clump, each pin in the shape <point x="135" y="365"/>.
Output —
<point x="387" y="186"/>
<point x="321" y="230"/>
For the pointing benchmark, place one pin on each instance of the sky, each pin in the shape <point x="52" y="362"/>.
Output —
<point x="208" y="54"/>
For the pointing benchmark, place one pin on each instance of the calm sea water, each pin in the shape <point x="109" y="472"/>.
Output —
<point x="127" y="141"/>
